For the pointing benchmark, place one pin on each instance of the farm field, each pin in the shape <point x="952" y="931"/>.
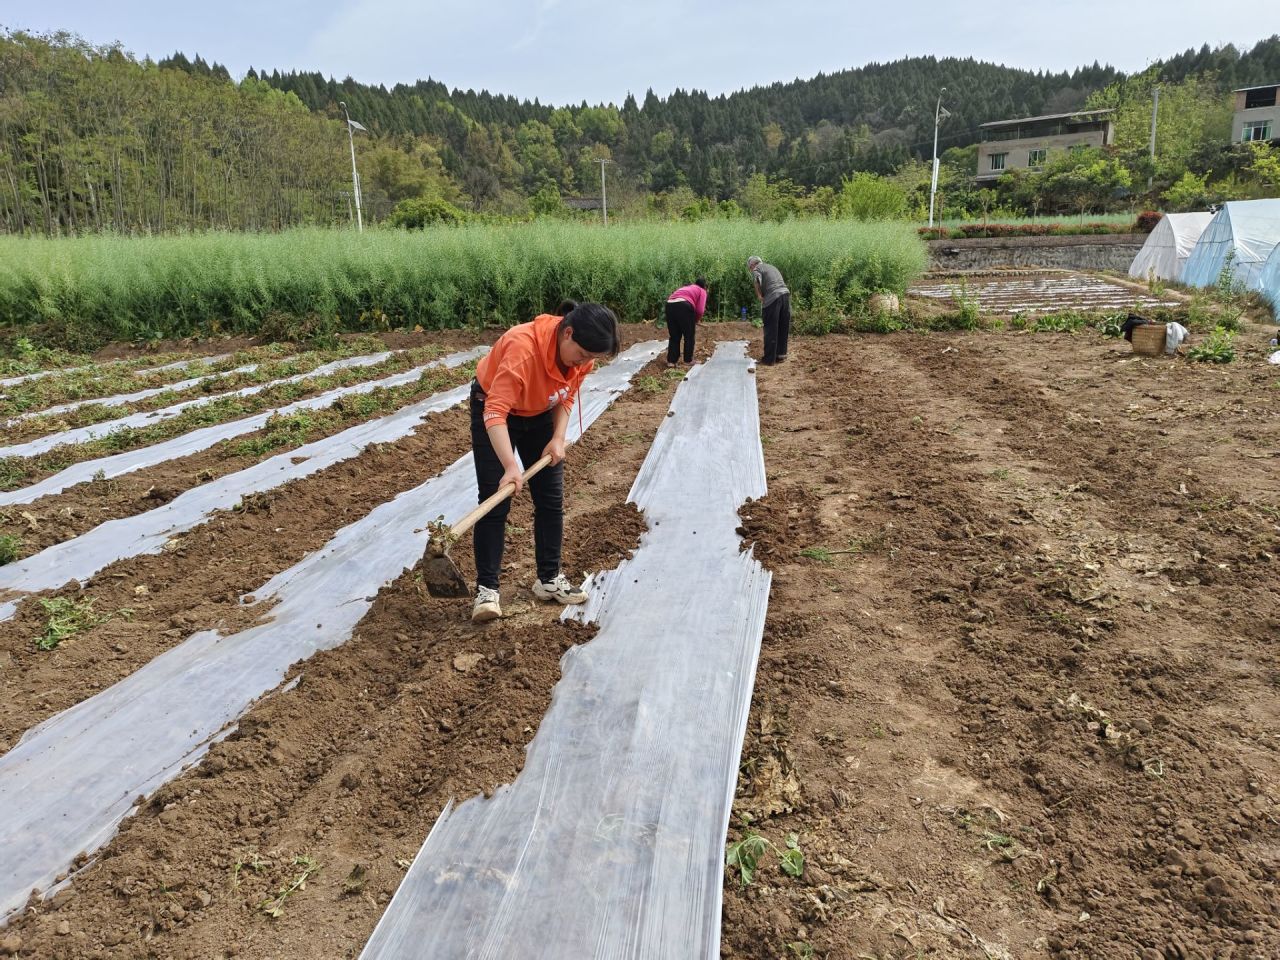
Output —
<point x="1017" y="694"/>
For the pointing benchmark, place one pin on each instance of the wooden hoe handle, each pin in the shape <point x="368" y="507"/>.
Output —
<point x="504" y="491"/>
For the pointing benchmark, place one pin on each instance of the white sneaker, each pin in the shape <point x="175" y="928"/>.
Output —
<point x="486" y="607"/>
<point x="560" y="590"/>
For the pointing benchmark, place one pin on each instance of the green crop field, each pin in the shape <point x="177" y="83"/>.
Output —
<point x="80" y="293"/>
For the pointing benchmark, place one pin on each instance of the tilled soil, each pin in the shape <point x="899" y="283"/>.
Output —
<point x="1017" y="694"/>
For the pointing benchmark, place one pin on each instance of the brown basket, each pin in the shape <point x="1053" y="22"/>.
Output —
<point x="1148" y="339"/>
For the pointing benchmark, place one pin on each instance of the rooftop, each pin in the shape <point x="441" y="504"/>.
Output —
<point x="1261" y="86"/>
<point x="1076" y="114"/>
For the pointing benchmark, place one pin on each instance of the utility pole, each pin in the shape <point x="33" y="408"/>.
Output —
<point x="938" y="114"/>
<point x="352" y="126"/>
<point x="1155" y="109"/>
<point x="604" y="203"/>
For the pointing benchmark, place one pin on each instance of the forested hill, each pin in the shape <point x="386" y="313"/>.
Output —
<point x="812" y="131"/>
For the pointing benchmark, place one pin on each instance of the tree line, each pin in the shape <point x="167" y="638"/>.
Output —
<point x="92" y="139"/>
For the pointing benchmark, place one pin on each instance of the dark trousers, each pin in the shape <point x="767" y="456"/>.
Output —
<point x="682" y="322"/>
<point x="529" y="437"/>
<point x="777" y="328"/>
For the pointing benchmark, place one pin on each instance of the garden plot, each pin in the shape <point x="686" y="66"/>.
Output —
<point x="81" y="557"/>
<point x="202" y="439"/>
<point x="142" y="371"/>
<point x="1041" y="293"/>
<point x="123" y="399"/>
<point x="82" y="434"/>
<point x="1016" y="693"/>
<point x="610" y="841"/>
<point x="92" y="760"/>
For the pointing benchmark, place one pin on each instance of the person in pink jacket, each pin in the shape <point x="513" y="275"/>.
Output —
<point x="685" y="308"/>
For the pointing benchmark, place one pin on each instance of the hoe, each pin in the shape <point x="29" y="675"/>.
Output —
<point x="440" y="573"/>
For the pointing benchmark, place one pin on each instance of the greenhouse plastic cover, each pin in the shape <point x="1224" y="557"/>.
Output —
<point x="72" y="778"/>
<point x="1250" y="228"/>
<point x="1269" y="281"/>
<point x="147" y="417"/>
<point x="120" y="399"/>
<point x="81" y="557"/>
<point x="12" y="381"/>
<point x="610" y="843"/>
<point x="1168" y="246"/>
<point x="205" y="437"/>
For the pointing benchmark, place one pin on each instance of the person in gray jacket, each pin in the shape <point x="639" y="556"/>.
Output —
<point x="773" y="294"/>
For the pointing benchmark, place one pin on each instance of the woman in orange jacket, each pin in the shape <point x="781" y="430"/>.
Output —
<point x="520" y="402"/>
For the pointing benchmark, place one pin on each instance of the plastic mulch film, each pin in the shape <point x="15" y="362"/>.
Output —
<point x="81" y="557"/>
<point x="205" y="437"/>
<point x="70" y="780"/>
<point x="610" y="843"/>
<point x="120" y="399"/>
<point x="147" y="417"/>
<point x="40" y="375"/>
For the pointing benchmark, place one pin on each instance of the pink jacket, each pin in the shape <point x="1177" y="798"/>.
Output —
<point x="695" y="295"/>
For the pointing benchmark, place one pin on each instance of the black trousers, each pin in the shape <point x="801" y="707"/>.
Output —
<point x="777" y="328"/>
<point x="529" y="437"/>
<point x="682" y="322"/>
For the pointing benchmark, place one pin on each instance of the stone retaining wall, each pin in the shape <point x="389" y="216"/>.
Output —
<point x="1113" y="251"/>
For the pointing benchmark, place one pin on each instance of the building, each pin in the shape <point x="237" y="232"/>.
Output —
<point x="1027" y="143"/>
<point x="1257" y="116"/>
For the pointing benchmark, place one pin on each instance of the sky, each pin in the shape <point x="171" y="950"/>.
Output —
<point x="567" y="51"/>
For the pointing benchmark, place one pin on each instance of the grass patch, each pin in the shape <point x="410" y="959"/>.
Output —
<point x="66" y="618"/>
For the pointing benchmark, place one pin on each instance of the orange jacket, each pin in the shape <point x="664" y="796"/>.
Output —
<point x="521" y="374"/>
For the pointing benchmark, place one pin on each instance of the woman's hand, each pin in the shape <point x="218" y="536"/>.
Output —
<point x="555" y="450"/>
<point x="513" y="475"/>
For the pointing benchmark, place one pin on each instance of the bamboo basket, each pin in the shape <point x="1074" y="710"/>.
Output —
<point x="1148" y="339"/>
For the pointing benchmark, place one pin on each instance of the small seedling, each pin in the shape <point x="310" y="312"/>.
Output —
<point x="441" y="533"/>
<point x="254" y="863"/>
<point x="801" y="949"/>
<point x="745" y="854"/>
<point x="274" y="906"/>
<point x="10" y="546"/>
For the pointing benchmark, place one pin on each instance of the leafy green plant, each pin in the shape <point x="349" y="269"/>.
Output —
<point x="10" y="547"/>
<point x="1111" y="325"/>
<point x="1220" y="347"/>
<point x="64" y="618"/>
<point x="745" y="855"/>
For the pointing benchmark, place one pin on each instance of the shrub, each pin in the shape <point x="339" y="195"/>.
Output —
<point x="1147" y="221"/>
<point x="418" y="213"/>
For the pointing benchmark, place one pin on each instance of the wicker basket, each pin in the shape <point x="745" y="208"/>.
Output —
<point x="1148" y="339"/>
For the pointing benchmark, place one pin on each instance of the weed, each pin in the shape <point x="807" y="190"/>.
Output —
<point x="801" y="949"/>
<point x="10" y="547"/>
<point x="1220" y="347"/>
<point x="649" y="384"/>
<point x="254" y="863"/>
<point x="1000" y="473"/>
<point x="274" y="906"/>
<point x="745" y="854"/>
<point x="65" y="618"/>
<point x="817" y="553"/>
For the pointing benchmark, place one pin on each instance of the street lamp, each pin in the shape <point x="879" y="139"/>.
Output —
<point x="938" y="115"/>
<point x="352" y="126"/>
<point x="604" y="203"/>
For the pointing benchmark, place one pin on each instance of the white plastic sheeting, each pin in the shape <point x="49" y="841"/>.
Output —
<point x="610" y="844"/>
<point x="81" y="557"/>
<point x="1248" y="230"/>
<point x="1168" y="246"/>
<point x="70" y="780"/>
<point x="1269" y="281"/>
<point x="13" y="381"/>
<point x="94" y="430"/>
<point x="205" y="437"/>
<point x="120" y="399"/>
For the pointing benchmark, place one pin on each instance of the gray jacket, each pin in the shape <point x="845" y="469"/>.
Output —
<point x="769" y="282"/>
